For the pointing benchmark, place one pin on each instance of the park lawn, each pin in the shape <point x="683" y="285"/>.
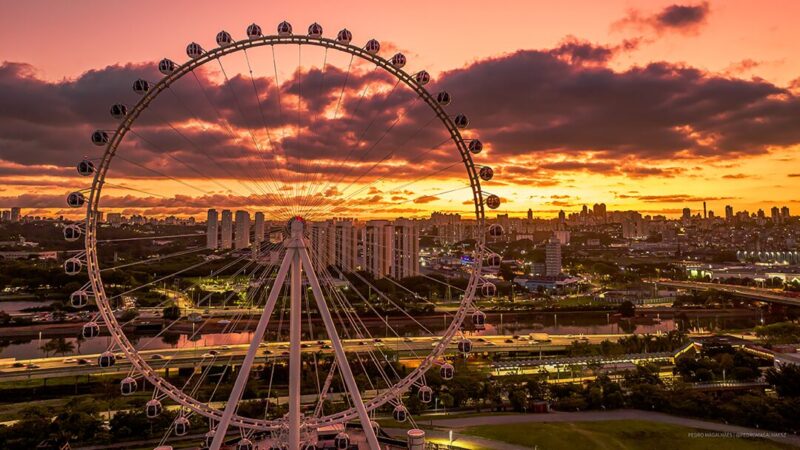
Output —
<point x="616" y="434"/>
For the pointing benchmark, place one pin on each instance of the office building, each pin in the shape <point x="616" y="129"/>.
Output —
<point x="552" y="257"/>
<point x="378" y="240"/>
<point x="226" y="230"/>
<point x="212" y="229"/>
<point x="258" y="228"/>
<point x="16" y="214"/>
<point x="242" y="229"/>
<point x="405" y="249"/>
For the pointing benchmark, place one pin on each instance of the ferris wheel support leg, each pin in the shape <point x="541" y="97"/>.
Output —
<point x="341" y="357"/>
<point x="247" y="364"/>
<point x="295" y="357"/>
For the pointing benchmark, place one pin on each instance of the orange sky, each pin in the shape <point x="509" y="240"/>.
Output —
<point x="755" y="42"/>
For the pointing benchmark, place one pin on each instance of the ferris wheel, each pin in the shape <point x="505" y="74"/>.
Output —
<point x="307" y="142"/>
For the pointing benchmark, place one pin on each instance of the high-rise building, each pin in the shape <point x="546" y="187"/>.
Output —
<point x="226" y="229"/>
<point x="405" y="249"/>
<point x="785" y="213"/>
<point x="242" y="229"/>
<point x="6" y="215"/>
<point x="345" y="244"/>
<point x="378" y="239"/>
<point x="729" y="213"/>
<point x="687" y="214"/>
<point x="530" y="214"/>
<point x="16" y="213"/>
<point x="552" y="257"/>
<point x="258" y="229"/>
<point x="775" y="213"/>
<point x="322" y="243"/>
<point x="447" y="227"/>
<point x="115" y="219"/>
<point x="212" y="229"/>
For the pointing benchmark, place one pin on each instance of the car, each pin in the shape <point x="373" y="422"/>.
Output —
<point x="213" y="352"/>
<point x="377" y="340"/>
<point x="379" y="344"/>
<point x="304" y="345"/>
<point x="157" y="357"/>
<point x="326" y="346"/>
<point x="320" y="342"/>
<point x="224" y="322"/>
<point x="509" y="341"/>
<point x="480" y="340"/>
<point x="267" y="352"/>
<point x="360" y="342"/>
<point x="32" y="366"/>
<point x="284" y="353"/>
<point x="224" y="347"/>
<point x="407" y="340"/>
<point x="207" y="355"/>
<point x="70" y="360"/>
<point x="83" y="362"/>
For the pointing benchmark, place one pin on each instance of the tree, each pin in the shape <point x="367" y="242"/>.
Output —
<point x="627" y="309"/>
<point x="172" y="312"/>
<point x="786" y="380"/>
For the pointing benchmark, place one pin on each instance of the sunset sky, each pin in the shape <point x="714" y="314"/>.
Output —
<point x="646" y="105"/>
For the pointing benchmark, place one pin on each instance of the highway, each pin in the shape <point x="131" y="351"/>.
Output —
<point x="164" y="359"/>
<point x="761" y="294"/>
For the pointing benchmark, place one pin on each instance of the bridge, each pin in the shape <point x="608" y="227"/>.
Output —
<point x="760" y="294"/>
<point x="407" y="348"/>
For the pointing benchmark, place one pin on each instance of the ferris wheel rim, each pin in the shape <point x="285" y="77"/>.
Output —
<point x="92" y="202"/>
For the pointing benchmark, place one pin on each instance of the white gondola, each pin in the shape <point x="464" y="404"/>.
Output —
<point x="72" y="233"/>
<point x="341" y="441"/>
<point x="85" y="167"/>
<point x="344" y="36"/>
<point x="465" y="345"/>
<point x="244" y="444"/>
<point x="167" y="66"/>
<point x="153" y="409"/>
<point x="118" y="111"/>
<point x="461" y="121"/>
<point x="422" y="77"/>
<point x="425" y="394"/>
<point x="128" y="386"/>
<point x="224" y="39"/>
<point x="315" y="30"/>
<point x="106" y="359"/>
<point x="90" y="330"/>
<point x="493" y="201"/>
<point x="99" y="138"/>
<point x="479" y="320"/>
<point x="194" y="50"/>
<point x="398" y="60"/>
<point x="400" y="413"/>
<point x="164" y="447"/>
<point x="284" y="29"/>
<point x="475" y="146"/>
<point x="493" y="261"/>
<point x="446" y="371"/>
<point x="141" y="86"/>
<point x="372" y="47"/>
<point x="489" y="290"/>
<point x="79" y="298"/>
<point x="495" y="230"/>
<point x="73" y="266"/>
<point x="76" y="199"/>
<point x="181" y="426"/>
<point x="443" y="98"/>
<point x="208" y="438"/>
<point x="254" y="31"/>
<point x="486" y="173"/>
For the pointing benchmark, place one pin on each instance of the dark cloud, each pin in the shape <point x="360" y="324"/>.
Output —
<point x="672" y="198"/>
<point x="679" y="18"/>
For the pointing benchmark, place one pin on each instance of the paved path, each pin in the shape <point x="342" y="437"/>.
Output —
<point x="459" y="439"/>
<point x="625" y="414"/>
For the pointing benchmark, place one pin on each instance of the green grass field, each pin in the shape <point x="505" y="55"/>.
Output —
<point x="620" y="434"/>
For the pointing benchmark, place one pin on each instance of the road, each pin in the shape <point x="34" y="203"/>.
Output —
<point x="408" y="348"/>
<point x="764" y="295"/>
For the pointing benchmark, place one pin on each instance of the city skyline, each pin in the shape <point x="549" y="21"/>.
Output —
<point x="681" y="57"/>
